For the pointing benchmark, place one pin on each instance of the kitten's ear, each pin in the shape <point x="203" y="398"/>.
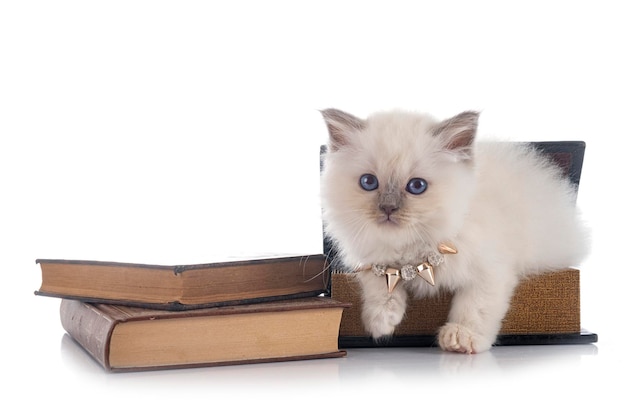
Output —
<point x="341" y="126"/>
<point x="458" y="133"/>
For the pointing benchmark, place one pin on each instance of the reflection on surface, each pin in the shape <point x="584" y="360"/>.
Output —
<point x="432" y="361"/>
<point x="359" y="365"/>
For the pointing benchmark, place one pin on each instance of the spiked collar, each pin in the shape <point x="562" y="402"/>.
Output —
<point x="408" y="272"/>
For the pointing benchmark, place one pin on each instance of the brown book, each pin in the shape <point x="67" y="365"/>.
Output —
<point x="185" y="287"/>
<point x="544" y="309"/>
<point x="124" y="338"/>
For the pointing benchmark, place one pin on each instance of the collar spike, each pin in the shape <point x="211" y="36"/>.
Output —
<point x="426" y="272"/>
<point x="393" y="278"/>
<point x="447" y="248"/>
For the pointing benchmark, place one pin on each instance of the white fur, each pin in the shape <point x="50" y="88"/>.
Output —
<point x="506" y="209"/>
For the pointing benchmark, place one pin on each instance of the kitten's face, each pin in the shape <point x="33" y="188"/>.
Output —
<point x="395" y="184"/>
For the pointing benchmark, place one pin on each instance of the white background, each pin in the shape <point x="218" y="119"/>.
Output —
<point x="179" y="132"/>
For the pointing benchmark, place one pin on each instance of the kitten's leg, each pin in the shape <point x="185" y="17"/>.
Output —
<point x="476" y="316"/>
<point x="382" y="311"/>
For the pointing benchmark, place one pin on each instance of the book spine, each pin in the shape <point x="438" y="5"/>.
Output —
<point x="89" y="327"/>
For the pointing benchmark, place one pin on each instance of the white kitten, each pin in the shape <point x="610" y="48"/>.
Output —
<point x="397" y="184"/>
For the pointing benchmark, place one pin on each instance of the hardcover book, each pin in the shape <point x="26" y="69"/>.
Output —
<point x="185" y="287"/>
<point x="123" y="338"/>
<point x="545" y="309"/>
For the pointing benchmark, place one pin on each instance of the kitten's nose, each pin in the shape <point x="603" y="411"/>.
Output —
<point x="389" y="203"/>
<point x="388" y="209"/>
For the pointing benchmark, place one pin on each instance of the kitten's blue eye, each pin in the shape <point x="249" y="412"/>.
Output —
<point x="416" y="186"/>
<point x="369" y="182"/>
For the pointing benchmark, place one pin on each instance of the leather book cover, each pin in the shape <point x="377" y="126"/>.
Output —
<point x="545" y="309"/>
<point x="188" y="286"/>
<point x="93" y="326"/>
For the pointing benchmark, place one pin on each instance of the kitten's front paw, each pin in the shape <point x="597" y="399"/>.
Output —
<point x="454" y="337"/>
<point x="381" y="321"/>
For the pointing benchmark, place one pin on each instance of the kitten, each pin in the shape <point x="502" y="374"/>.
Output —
<point x="398" y="184"/>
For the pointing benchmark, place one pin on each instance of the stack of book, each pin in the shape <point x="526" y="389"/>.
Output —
<point x="141" y="317"/>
